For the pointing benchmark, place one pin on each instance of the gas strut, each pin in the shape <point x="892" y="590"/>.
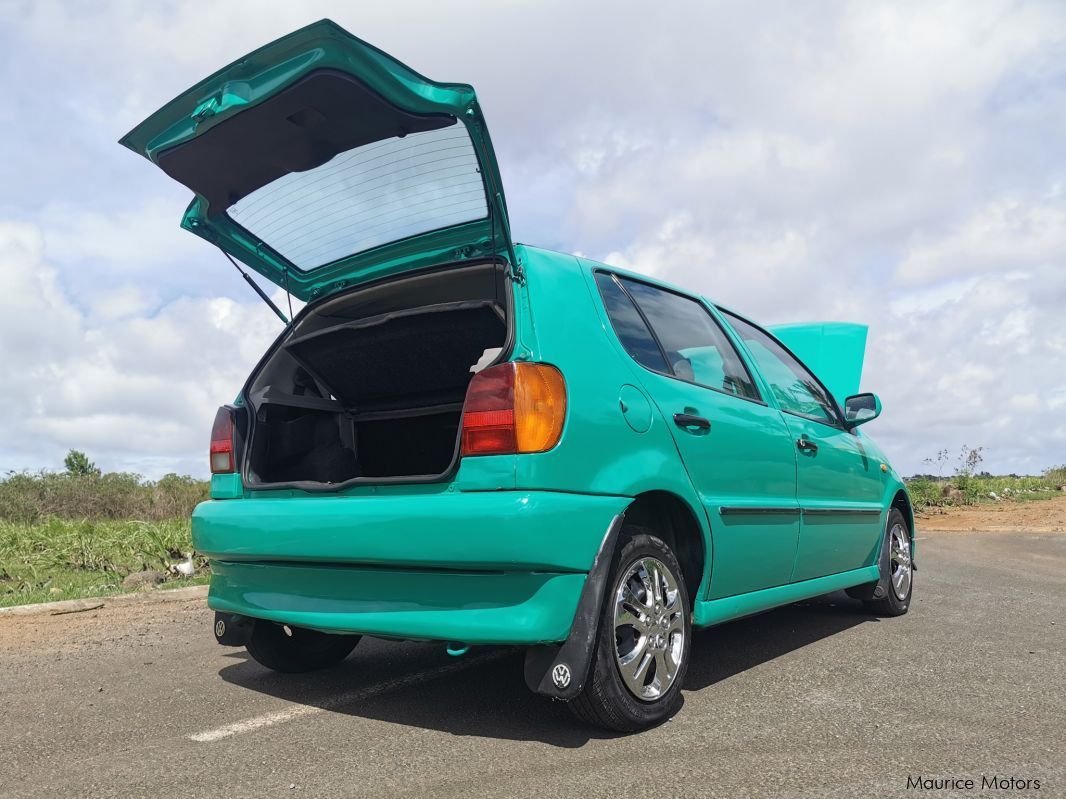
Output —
<point x="255" y="287"/>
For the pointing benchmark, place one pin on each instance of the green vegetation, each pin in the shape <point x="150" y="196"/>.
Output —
<point x="65" y="559"/>
<point x="78" y="464"/>
<point x="95" y="496"/>
<point x="929" y="492"/>
<point x="80" y="532"/>
<point x="969" y="487"/>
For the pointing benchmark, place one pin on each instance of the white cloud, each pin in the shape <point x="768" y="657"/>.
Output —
<point x="122" y="302"/>
<point x="128" y="238"/>
<point x="131" y="391"/>
<point x="1006" y="234"/>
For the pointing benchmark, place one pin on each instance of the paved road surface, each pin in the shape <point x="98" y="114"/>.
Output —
<point x="816" y="699"/>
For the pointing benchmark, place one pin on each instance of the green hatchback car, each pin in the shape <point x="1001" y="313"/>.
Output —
<point x="467" y="440"/>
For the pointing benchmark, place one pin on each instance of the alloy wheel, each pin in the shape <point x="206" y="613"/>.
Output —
<point x="900" y="560"/>
<point x="649" y="628"/>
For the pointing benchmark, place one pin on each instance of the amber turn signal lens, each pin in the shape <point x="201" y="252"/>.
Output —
<point x="539" y="406"/>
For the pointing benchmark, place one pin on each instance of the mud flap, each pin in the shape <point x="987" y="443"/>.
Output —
<point x="232" y="630"/>
<point x="561" y="670"/>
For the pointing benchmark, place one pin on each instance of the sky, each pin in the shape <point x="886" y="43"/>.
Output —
<point x="899" y="164"/>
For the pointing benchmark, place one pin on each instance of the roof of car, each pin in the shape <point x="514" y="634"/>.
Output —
<point x="590" y="264"/>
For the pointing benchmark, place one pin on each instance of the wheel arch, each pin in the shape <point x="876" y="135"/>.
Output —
<point x="672" y="518"/>
<point x="902" y="502"/>
<point x="675" y="521"/>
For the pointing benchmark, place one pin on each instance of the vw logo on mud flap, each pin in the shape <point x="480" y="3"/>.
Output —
<point x="220" y="628"/>
<point x="561" y="675"/>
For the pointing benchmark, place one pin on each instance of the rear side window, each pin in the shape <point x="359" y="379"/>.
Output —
<point x="683" y="339"/>
<point x="629" y="327"/>
<point x="796" y="389"/>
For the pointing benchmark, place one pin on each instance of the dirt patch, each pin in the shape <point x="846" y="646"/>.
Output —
<point x="132" y="623"/>
<point x="1037" y="516"/>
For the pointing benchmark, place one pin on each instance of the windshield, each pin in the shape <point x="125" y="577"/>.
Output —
<point x="367" y="196"/>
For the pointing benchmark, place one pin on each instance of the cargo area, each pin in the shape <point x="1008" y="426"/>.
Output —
<point x="370" y="384"/>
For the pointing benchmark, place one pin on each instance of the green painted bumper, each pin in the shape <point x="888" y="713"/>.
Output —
<point x="476" y="567"/>
<point x="471" y="607"/>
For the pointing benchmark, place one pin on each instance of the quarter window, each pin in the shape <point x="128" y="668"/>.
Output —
<point x="688" y="343"/>
<point x="796" y="389"/>
<point x="629" y="326"/>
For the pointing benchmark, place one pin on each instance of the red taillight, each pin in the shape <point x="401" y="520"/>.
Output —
<point x="514" y="407"/>
<point x="488" y="413"/>
<point x="222" y="459"/>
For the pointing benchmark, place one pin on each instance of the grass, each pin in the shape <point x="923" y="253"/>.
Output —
<point x="65" y="536"/>
<point x="67" y="559"/>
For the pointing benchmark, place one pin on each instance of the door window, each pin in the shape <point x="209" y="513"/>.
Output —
<point x="796" y="389"/>
<point x="688" y="342"/>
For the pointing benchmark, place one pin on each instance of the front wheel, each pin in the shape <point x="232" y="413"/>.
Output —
<point x="897" y="569"/>
<point x="642" y="649"/>
<point x="284" y="648"/>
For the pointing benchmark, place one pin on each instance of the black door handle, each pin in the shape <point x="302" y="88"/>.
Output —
<point x="688" y="420"/>
<point x="806" y="445"/>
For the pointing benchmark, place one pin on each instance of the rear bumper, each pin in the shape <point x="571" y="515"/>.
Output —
<point x="470" y="607"/>
<point x="491" y="567"/>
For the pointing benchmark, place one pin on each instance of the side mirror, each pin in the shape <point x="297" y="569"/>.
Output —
<point x="860" y="409"/>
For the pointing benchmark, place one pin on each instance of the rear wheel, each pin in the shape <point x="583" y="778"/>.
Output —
<point x="642" y="649"/>
<point x="284" y="648"/>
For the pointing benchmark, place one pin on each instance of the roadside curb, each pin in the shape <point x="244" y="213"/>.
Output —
<point x="95" y="603"/>
<point x="990" y="530"/>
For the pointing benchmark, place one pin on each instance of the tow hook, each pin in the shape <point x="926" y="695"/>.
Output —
<point x="456" y="649"/>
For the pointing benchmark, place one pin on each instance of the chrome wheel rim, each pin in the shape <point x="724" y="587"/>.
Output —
<point x="649" y="628"/>
<point x="900" y="560"/>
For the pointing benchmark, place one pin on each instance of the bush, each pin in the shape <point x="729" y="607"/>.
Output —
<point x="29" y="498"/>
<point x="931" y="492"/>
<point x="1056" y="475"/>
<point x="925" y="492"/>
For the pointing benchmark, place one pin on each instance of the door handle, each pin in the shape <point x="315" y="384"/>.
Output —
<point x="688" y="420"/>
<point x="806" y="445"/>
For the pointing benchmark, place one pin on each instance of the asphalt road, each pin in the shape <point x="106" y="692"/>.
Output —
<point x="816" y="699"/>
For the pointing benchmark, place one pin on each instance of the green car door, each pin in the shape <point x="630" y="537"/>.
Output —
<point x="839" y="485"/>
<point x="737" y="449"/>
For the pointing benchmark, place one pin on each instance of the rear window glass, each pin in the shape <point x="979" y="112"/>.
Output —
<point x="367" y="196"/>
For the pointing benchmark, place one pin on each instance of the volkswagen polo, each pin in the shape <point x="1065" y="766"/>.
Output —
<point x="466" y="440"/>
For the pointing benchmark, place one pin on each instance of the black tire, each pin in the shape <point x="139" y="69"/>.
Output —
<point x="606" y="701"/>
<point x="891" y="602"/>
<point x="294" y="649"/>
